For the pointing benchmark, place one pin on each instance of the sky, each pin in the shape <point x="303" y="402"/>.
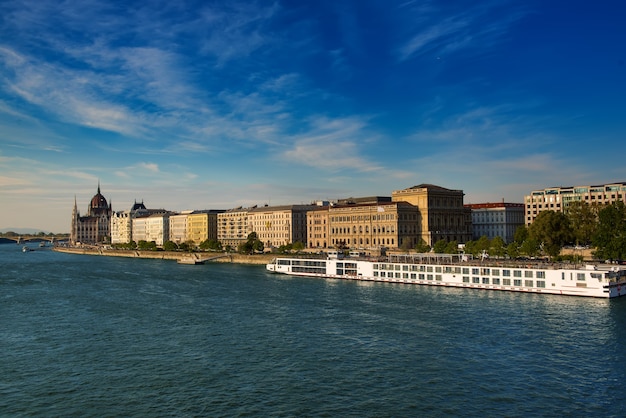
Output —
<point x="218" y="104"/>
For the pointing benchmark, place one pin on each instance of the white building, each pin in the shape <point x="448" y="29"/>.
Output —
<point x="121" y="223"/>
<point x="140" y="228"/>
<point x="496" y="220"/>
<point x="158" y="228"/>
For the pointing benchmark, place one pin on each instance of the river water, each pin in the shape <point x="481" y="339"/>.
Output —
<point x="102" y="336"/>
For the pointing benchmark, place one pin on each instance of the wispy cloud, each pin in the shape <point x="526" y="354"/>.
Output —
<point x="477" y="28"/>
<point x="333" y="144"/>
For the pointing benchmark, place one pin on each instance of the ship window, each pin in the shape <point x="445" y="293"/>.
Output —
<point x="506" y="273"/>
<point x="413" y="276"/>
<point x="496" y="281"/>
<point x="517" y="282"/>
<point x="528" y="283"/>
<point x="517" y="273"/>
<point x="475" y="279"/>
<point x="475" y="271"/>
<point x="580" y="277"/>
<point x="465" y="270"/>
<point x="495" y="272"/>
<point x="465" y="279"/>
<point x="485" y="280"/>
<point x="541" y="274"/>
<point x="541" y="283"/>
<point x="421" y="276"/>
<point x="438" y="277"/>
<point x="506" y="282"/>
<point x="528" y="274"/>
<point x="429" y="276"/>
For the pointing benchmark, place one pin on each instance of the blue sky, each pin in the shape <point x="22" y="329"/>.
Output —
<point x="217" y="104"/>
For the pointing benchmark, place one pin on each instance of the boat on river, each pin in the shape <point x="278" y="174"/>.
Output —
<point x="593" y="280"/>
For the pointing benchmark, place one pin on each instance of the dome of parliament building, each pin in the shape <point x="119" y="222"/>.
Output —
<point x="98" y="205"/>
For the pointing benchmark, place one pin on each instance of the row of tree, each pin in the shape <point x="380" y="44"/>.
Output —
<point x="251" y="245"/>
<point x="601" y="227"/>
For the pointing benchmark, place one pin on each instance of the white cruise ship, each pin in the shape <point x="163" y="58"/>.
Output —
<point x="601" y="280"/>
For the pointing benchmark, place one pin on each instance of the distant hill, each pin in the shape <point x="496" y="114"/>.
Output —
<point x="25" y="231"/>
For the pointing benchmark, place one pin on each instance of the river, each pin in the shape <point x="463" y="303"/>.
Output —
<point x="100" y="336"/>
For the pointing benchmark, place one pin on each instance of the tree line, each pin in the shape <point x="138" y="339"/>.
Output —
<point x="601" y="227"/>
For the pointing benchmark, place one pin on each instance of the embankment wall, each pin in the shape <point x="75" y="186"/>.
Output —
<point x="171" y="255"/>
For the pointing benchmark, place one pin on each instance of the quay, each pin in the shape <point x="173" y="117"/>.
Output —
<point x="180" y="257"/>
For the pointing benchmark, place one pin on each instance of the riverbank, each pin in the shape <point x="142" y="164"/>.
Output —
<point x="187" y="258"/>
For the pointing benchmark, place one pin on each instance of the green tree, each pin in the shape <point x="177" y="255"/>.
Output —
<point x="440" y="246"/>
<point x="521" y="233"/>
<point x="211" y="244"/>
<point x="298" y="246"/>
<point x="145" y="245"/>
<point x="583" y="219"/>
<point x="170" y="246"/>
<point x="483" y="244"/>
<point x="497" y="248"/>
<point x="471" y="248"/>
<point x="258" y="246"/>
<point x="513" y="250"/>
<point x="252" y="244"/>
<point x="422" y="247"/>
<point x="610" y="236"/>
<point x="530" y="247"/>
<point x="551" y="230"/>
<point x="452" y="247"/>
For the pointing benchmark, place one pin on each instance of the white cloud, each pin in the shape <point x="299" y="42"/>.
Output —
<point x="149" y="167"/>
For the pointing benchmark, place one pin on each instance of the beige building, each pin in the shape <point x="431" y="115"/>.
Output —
<point x="121" y="223"/>
<point x="232" y="227"/>
<point x="367" y="226"/>
<point x="318" y="232"/>
<point x="441" y="212"/>
<point x="178" y="227"/>
<point x="279" y="225"/>
<point x="558" y="198"/>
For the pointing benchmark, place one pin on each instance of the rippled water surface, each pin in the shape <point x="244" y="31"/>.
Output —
<point x="98" y="336"/>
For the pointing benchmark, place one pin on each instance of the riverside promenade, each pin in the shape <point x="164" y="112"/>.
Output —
<point x="182" y="257"/>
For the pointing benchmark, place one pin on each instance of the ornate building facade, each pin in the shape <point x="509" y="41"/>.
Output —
<point x="95" y="227"/>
